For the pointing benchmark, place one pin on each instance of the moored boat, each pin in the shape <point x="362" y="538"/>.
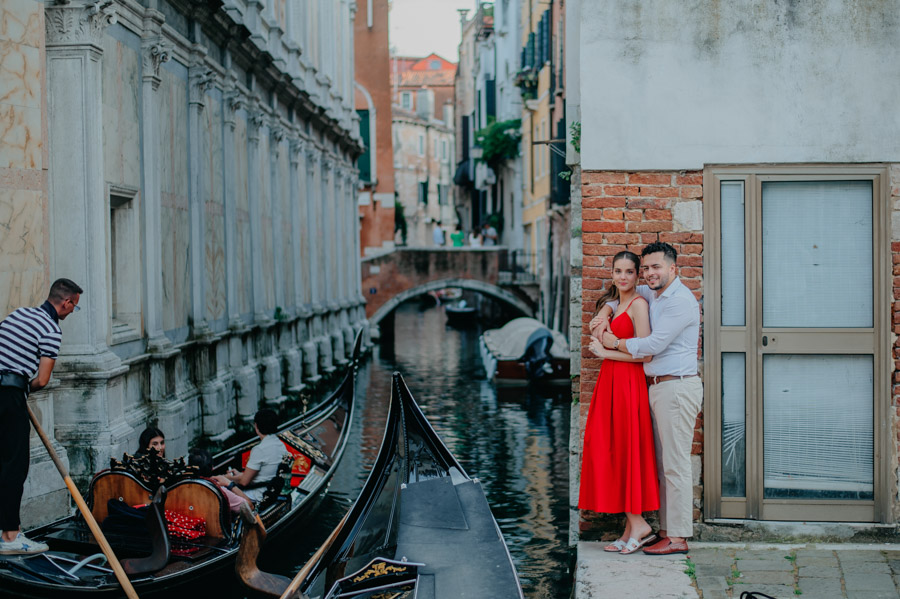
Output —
<point x="461" y="314"/>
<point x="421" y="528"/>
<point x="525" y="350"/>
<point x="159" y="562"/>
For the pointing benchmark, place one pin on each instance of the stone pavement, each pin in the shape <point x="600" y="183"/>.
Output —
<point x="724" y="570"/>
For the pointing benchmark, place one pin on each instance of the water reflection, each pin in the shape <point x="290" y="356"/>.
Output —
<point x="515" y="441"/>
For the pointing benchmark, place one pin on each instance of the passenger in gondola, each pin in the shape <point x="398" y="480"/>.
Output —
<point x="265" y="457"/>
<point x="151" y="438"/>
<point x="204" y="463"/>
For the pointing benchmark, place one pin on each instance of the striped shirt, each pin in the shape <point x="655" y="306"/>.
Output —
<point x="26" y="336"/>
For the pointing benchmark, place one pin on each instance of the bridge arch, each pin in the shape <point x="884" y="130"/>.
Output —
<point x="488" y="289"/>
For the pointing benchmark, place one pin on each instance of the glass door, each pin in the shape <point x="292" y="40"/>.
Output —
<point x="799" y="376"/>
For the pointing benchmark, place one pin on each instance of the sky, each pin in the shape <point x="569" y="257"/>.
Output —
<point x="420" y="27"/>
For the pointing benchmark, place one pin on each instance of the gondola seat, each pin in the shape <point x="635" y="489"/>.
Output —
<point x="123" y="486"/>
<point x="201" y="498"/>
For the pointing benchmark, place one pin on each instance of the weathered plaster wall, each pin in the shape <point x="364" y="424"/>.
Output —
<point x="677" y="86"/>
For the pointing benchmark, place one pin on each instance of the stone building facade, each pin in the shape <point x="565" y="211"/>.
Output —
<point x="193" y="166"/>
<point x="756" y="140"/>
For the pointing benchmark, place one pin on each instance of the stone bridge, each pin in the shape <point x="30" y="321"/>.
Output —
<point x="392" y="278"/>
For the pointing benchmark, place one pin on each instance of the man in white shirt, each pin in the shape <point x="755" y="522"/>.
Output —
<point x="262" y="465"/>
<point x="676" y="392"/>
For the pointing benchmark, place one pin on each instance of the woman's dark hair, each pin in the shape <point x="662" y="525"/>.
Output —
<point x="266" y="421"/>
<point x="612" y="292"/>
<point x="150" y="433"/>
<point x="202" y="460"/>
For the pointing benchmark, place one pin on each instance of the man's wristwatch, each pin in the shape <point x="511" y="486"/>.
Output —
<point x="231" y="485"/>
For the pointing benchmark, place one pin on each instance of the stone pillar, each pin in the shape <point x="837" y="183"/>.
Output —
<point x="276" y="135"/>
<point x="330" y="177"/>
<point x="89" y="417"/>
<point x="293" y="359"/>
<point x="313" y="243"/>
<point x="254" y="124"/>
<point x="201" y="80"/>
<point x="325" y="272"/>
<point x="233" y="101"/>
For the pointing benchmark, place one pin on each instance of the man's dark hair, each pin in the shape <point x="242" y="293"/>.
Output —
<point x="658" y="246"/>
<point x="202" y="460"/>
<point x="266" y="421"/>
<point x="62" y="289"/>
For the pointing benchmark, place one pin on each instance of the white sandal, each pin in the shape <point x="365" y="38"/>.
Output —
<point x="615" y="547"/>
<point x="633" y="544"/>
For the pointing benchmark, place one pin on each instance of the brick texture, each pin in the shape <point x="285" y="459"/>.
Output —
<point x="627" y="211"/>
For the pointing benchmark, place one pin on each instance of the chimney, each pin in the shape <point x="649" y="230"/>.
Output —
<point x="425" y="103"/>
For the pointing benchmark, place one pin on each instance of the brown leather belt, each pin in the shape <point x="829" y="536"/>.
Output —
<point x="652" y="380"/>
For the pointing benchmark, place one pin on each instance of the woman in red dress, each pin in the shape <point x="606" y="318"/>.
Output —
<point x="618" y="467"/>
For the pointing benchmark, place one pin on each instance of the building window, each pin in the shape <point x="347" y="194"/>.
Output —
<point x="798" y="374"/>
<point x="444" y="150"/>
<point x="421" y="145"/>
<point x="434" y="65"/>
<point x="423" y="192"/>
<point x="442" y="194"/>
<point x="406" y="100"/>
<point x="125" y="265"/>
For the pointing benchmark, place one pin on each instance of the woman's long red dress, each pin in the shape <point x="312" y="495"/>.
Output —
<point x="618" y="464"/>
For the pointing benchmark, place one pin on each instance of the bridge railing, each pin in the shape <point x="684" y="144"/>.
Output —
<point x="516" y="267"/>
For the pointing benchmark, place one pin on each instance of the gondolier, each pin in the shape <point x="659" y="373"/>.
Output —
<point x="29" y="346"/>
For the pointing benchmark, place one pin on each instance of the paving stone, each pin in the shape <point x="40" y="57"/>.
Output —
<point x="872" y="595"/>
<point x="771" y="565"/>
<point x="761" y="553"/>
<point x="820" y="588"/>
<point x="814" y="553"/>
<point x="712" y="583"/>
<point x="716" y="595"/>
<point x="819" y="572"/>
<point x="767" y="578"/>
<point x="831" y="562"/>
<point x="860" y="556"/>
<point x="710" y="557"/>
<point x="869" y="582"/>
<point x="777" y="591"/>
<point x="712" y="570"/>
<point x="895" y="565"/>
<point x="865" y="568"/>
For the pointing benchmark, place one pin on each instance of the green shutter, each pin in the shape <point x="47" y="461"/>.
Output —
<point x="364" y="160"/>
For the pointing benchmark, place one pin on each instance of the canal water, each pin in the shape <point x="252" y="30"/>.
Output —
<point x="514" y="439"/>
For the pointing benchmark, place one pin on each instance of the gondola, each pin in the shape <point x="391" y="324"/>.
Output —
<point x="525" y="351"/>
<point x="421" y="528"/>
<point x="461" y="315"/>
<point x="158" y="562"/>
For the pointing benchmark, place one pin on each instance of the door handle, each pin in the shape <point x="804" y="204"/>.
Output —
<point x="765" y="341"/>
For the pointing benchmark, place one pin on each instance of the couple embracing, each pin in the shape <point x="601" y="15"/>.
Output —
<point x="640" y="427"/>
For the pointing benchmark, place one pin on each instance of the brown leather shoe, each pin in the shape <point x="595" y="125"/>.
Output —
<point x="666" y="546"/>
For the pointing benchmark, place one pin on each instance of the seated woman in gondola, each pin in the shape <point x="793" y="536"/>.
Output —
<point x="265" y="457"/>
<point x="204" y="463"/>
<point x="151" y="438"/>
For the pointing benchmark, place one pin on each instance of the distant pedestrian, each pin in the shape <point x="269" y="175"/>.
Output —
<point x="457" y="237"/>
<point x="438" y="234"/>
<point x="29" y="346"/>
<point x="475" y="239"/>
<point x="489" y="234"/>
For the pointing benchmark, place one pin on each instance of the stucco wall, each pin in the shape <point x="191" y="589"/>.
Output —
<point x="672" y="85"/>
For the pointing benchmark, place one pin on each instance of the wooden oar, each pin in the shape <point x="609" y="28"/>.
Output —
<point x="82" y="506"/>
<point x="308" y="566"/>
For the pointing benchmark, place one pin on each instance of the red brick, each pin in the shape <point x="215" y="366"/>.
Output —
<point x="689" y="179"/>
<point x="591" y="260"/>
<point x="595" y="272"/>
<point x="692" y="248"/>
<point x="634" y="215"/>
<point x="647" y="203"/>
<point x="592" y="214"/>
<point x="650" y="178"/>
<point x="602" y="227"/>
<point x="675" y="237"/>
<point x="895" y="246"/>
<point x="621" y="190"/>
<point x="692" y="283"/>
<point x="658" y="215"/>
<point x="602" y="177"/>
<point x="591" y="284"/>
<point x="648" y="238"/>
<point x="690" y="271"/>
<point x="587" y="238"/>
<point x="689" y="260"/>
<point x="603" y="202"/>
<point x="602" y="250"/>
<point x="611" y="214"/>
<point x="658" y="192"/>
<point x="623" y="238"/>
<point x="691" y="192"/>
<point x="658" y="225"/>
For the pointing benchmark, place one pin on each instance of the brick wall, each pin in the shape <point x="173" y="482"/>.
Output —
<point x="627" y="211"/>
<point x="895" y="319"/>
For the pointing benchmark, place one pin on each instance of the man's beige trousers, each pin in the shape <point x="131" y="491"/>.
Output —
<point x="675" y="405"/>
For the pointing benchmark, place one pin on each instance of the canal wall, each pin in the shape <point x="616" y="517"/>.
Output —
<point x="193" y="169"/>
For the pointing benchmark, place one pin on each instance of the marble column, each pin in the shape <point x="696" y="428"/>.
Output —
<point x="324" y="269"/>
<point x="233" y="101"/>
<point x="254" y="124"/>
<point x="201" y="80"/>
<point x="276" y="135"/>
<point x="87" y="409"/>
<point x="293" y="356"/>
<point x="331" y="177"/>
<point x="307" y="214"/>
